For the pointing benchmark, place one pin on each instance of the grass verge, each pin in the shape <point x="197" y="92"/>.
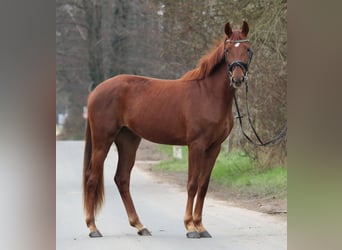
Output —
<point x="235" y="170"/>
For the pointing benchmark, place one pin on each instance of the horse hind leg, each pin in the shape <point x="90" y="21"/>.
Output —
<point x="127" y="144"/>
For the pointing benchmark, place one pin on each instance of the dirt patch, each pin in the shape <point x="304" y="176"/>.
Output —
<point x="148" y="153"/>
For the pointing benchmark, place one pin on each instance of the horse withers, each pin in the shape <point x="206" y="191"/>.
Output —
<point x="195" y="110"/>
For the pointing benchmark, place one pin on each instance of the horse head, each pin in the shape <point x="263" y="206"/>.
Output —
<point x="238" y="54"/>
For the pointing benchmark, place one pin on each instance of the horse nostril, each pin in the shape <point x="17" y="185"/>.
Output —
<point x="237" y="79"/>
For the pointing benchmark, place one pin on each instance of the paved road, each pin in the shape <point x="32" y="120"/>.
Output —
<point x="161" y="209"/>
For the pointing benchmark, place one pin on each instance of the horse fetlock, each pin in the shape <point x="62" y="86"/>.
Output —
<point x="190" y="226"/>
<point x="134" y="222"/>
<point x="92" y="227"/>
<point x="89" y="221"/>
<point x="197" y="221"/>
<point x="199" y="226"/>
<point x="188" y="220"/>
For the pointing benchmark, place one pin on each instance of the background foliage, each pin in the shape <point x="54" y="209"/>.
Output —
<point x="96" y="40"/>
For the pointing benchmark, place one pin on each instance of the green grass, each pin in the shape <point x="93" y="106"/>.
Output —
<point x="235" y="170"/>
<point x="173" y="164"/>
<point x="238" y="171"/>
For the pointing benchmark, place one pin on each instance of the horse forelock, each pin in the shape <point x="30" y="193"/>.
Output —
<point x="207" y="63"/>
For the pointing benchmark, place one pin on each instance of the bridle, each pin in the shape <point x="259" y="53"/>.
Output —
<point x="245" y="66"/>
<point x="238" y="63"/>
<point x="277" y="139"/>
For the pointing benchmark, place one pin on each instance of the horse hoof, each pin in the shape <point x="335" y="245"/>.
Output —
<point x="144" y="232"/>
<point x="193" y="235"/>
<point x="205" y="234"/>
<point x="95" y="234"/>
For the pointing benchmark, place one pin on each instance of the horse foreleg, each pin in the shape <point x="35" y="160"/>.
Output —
<point x="188" y="220"/>
<point x="196" y="158"/>
<point x="127" y="144"/>
<point x="203" y="183"/>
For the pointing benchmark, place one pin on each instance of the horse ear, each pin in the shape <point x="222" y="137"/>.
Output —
<point x="228" y="30"/>
<point x="244" y="28"/>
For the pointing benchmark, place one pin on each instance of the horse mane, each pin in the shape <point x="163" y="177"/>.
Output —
<point x="207" y="64"/>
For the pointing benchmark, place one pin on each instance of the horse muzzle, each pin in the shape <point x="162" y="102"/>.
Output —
<point x="237" y="80"/>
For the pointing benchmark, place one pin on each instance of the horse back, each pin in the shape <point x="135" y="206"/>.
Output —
<point x="150" y="107"/>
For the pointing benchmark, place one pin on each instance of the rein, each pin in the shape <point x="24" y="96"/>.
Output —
<point x="272" y="142"/>
<point x="245" y="66"/>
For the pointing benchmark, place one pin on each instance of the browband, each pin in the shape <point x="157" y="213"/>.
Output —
<point x="237" y="41"/>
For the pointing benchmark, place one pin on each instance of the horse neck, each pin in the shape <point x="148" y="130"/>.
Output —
<point x="218" y="83"/>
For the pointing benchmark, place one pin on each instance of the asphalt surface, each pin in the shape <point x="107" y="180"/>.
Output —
<point x="160" y="207"/>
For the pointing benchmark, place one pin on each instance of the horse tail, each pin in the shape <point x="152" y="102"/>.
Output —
<point x="86" y="163"/>
<point x="87" y="173"/>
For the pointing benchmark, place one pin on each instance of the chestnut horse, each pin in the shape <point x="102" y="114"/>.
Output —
<point x="195" y="110"/>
